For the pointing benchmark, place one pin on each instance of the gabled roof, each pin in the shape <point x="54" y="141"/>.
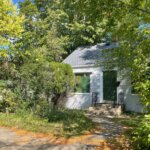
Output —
<point x="87" y="56"/>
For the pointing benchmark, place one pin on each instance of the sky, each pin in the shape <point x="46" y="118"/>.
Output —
<point x="16" y="1"/>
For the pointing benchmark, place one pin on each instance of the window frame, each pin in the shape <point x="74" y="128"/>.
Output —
<point x="133" y="91"/>
<point x="80" y="74"/>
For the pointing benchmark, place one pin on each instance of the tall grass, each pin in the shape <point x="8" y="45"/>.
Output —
<point x="63" y="123"/>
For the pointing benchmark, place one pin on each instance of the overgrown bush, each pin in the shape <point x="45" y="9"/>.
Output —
<point x="45" y="82"/>
<point x="8" y="99"/>
<point x="141" y="135"/>
<point x="42" y="108"/>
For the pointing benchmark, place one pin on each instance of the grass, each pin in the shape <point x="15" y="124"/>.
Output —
<point x="129" y="121"/>
<point x="74" y="122"/>
<point x="65" y="123"/>
<point x="138" y="127"/>
<point x="69" y="123"/>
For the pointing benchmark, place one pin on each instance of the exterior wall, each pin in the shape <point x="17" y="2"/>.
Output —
<point x="131" y="101"/>
<point x="79" y="101"/>
<point x="84" y="100"/>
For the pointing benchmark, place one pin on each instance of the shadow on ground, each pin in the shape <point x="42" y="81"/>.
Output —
<point x="107" y="136"/>
<point x="74" y="122"/>
<point x="30" y="145"/>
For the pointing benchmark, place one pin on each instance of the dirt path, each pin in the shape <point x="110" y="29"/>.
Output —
<point x="100" y="139"/>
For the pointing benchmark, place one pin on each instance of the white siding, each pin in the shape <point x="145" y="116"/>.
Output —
<point x="84" y="100"/>
<point x="131" y="101"/>
<point x="79" y="101"/>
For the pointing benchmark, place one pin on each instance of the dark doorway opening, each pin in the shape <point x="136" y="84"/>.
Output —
<point x="110" y="85"/>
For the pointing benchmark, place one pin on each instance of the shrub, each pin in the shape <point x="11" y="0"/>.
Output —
<point x="42" y="82"/>
<point x="141" y="135"/>
<point x="7" y="98"/>
<point x="42" y="108"/>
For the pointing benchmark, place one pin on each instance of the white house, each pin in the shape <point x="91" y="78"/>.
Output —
<point x="92" y="80"/>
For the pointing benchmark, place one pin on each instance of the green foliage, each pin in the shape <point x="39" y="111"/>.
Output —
<point x="82" y="83"/>
<point x="42" y="108"/>
<point x="65" y="123"/>
<point x="40" y="39"/>
<point x="33" y="68"/>
<point x="87" y="22"/>
<point x="10" y="26"/>
<point x="133" y="37"/>
<point x="74" y="20"/>
<point x="49" y="28"/>
<point x="141" y="135"/>
<point x="131" y="120"/>
<point x="74" y="121"/>
<point x="137" y="130"/>
<point x="8" y="99"/>
<point x="70" y="19"/>
<point x="62" y="78"/>
<point x="44" y="80"/>
<point x="47" y="77"/>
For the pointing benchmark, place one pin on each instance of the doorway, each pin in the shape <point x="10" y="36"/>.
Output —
<point x="110" y="86"/>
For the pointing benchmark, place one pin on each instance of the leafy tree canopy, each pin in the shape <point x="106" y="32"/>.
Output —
<point x="83" y="22"/>
<point x="10" y="26"/>
<point x="54" y="27"/>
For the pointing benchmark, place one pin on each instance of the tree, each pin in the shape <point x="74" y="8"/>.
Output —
<point x="74" y="22"/>
<point x="45" y="81"/>
<point x="126" y="22"/>
<point x="10" y="26"/>
<point x="40" y="75"/>
<point x="83" y="22"/>
<point x="40" y="34"/>
<point x="131" y="29"/>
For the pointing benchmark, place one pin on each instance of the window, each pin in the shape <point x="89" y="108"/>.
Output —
<point x="82" y="83"/>
<point x="133" y="90"/>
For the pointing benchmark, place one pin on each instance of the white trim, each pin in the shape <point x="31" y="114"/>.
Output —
<point x="134" y="94"/>
<point x="80" y="93"/>
<point x="101" y="88"/>
<point x="85" y="66"/>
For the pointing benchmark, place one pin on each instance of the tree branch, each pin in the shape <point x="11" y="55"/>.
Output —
<point x="140" y="9"/>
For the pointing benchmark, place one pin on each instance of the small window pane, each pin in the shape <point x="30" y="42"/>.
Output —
<point x="82" y="83"/>
<point x="133" y="90"/>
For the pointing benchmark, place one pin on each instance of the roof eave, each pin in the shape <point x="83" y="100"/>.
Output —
<point x="85" y="66"/>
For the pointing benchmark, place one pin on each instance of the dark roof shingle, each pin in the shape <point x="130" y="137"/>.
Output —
<point x="87" y="56"/>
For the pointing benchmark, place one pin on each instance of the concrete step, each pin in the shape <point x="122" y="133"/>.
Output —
<point x="103" y="105"/>
<point x="106" y="109"/>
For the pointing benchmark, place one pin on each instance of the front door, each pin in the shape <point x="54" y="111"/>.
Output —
<point x="110" y="85"/>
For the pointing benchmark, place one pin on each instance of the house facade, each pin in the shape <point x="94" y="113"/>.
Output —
<point x="94" y="84"/>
